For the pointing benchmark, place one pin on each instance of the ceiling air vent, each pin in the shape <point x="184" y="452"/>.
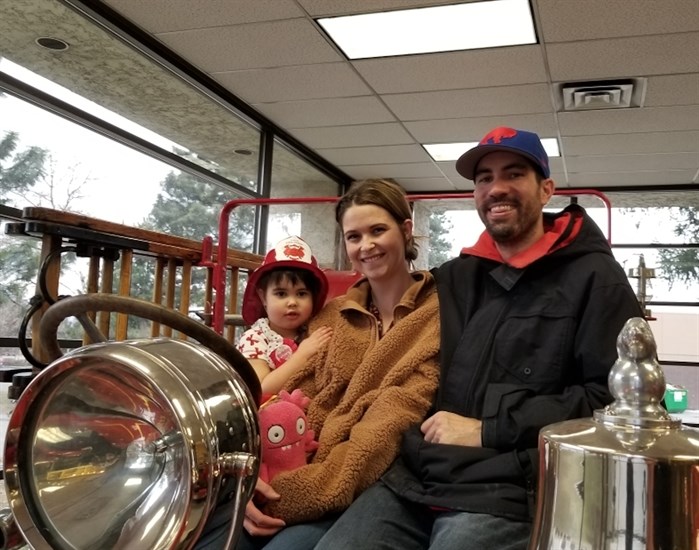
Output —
<point x="606" y="94"/>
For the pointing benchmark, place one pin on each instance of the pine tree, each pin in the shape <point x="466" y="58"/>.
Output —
<point x="190" y="208"/>
<point x="440" y="246"/>
<point x="19" y="172"/>
<point x="682" y="264"/>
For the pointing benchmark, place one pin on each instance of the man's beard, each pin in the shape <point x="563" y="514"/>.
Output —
<point x="511" y="232"/>
<point x="502" y="232"/>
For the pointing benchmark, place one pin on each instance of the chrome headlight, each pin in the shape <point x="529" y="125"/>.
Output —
<point x="130" y="445"/>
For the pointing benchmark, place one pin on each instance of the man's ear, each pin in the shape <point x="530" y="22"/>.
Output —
<point x="547" y="187"/>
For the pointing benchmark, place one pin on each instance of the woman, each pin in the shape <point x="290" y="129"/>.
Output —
<point x="375" y="378"/>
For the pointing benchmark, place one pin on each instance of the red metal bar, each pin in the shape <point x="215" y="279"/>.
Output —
<point x="219" y="265"/>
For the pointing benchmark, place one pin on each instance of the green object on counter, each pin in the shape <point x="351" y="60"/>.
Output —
<point x="675" y="398"/>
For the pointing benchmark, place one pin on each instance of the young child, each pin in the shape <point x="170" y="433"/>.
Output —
<point x="280" y="298"/>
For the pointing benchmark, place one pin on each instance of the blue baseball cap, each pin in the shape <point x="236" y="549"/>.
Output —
<point x="503" y="138"/>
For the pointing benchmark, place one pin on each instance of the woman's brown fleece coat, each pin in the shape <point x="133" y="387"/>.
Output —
<point x="364" y="393"/>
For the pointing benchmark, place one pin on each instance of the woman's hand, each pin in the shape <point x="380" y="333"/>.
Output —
<point x="257" y="523"/>
<point x="452" y="429"/>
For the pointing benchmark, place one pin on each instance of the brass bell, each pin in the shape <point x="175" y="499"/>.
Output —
<point x="628" y="478"/>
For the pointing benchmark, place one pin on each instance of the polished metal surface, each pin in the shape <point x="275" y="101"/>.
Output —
<point x="627" y="478"/>
<point x="10" y="537"/>
<point x="130" y="445"/>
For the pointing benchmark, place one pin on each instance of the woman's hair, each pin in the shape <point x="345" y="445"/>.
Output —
<point x="385" y="194"/>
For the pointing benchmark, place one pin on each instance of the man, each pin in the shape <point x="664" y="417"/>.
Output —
<point x="529" y="319"/>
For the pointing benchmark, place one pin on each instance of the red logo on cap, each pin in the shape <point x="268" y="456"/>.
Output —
<point x="294" y="251"/>
<point x="498" y="134"/>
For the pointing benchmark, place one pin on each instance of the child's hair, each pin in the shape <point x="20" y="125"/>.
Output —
<point x="385" y="194"/>
<point x="294" y="276"/>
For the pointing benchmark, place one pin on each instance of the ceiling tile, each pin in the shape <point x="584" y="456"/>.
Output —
<point x="473" y="129"/>
<point x="616" y="179"/>
<point x="326" y="112"/>
<point x="591" y="19"/>
<point x="323" y="80"/>
<point x="448" y="167"/>
<point x="175" y="15"/>
<point x="558" y="177"/>
<point x="649" y="119"/>
<point x="624" y="57"/>
<point x="421" y="169"/>
<point x="390" y="154"/>
<point x="251" y="46"/>
<point x="422" y="185"/>
<point x="556" y="164"/>
<point x="461" y="184"/>
<point x="655" y="142"/>
<point x="681" y="89"/>
<point x="640" y="162"/>
<point x="478" y="102"/>
<point x="354" y="135"/>
<point x="453" y="70"/>
<point x="346" y="7"/>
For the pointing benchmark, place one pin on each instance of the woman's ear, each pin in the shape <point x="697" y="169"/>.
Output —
<point x="407" y="228"/>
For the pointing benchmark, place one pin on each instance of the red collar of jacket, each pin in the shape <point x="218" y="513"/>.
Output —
<point x="559" y="232"/>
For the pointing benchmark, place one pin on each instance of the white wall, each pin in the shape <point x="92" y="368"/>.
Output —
<point x="676" y="334"/>
<point x="677" y="337"/>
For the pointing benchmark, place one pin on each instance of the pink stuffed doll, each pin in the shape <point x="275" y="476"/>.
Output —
<point x="286" y="439"/>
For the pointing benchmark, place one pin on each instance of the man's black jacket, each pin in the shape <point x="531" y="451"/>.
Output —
<point x="520" y="349"/>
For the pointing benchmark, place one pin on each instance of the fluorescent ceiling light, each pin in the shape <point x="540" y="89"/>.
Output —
<point x="467" y="26"/>
<point x="443" y="152"/>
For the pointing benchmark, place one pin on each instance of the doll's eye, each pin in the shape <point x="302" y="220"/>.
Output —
<point x="275" y="433"/>
<point x="300" y="426"/>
